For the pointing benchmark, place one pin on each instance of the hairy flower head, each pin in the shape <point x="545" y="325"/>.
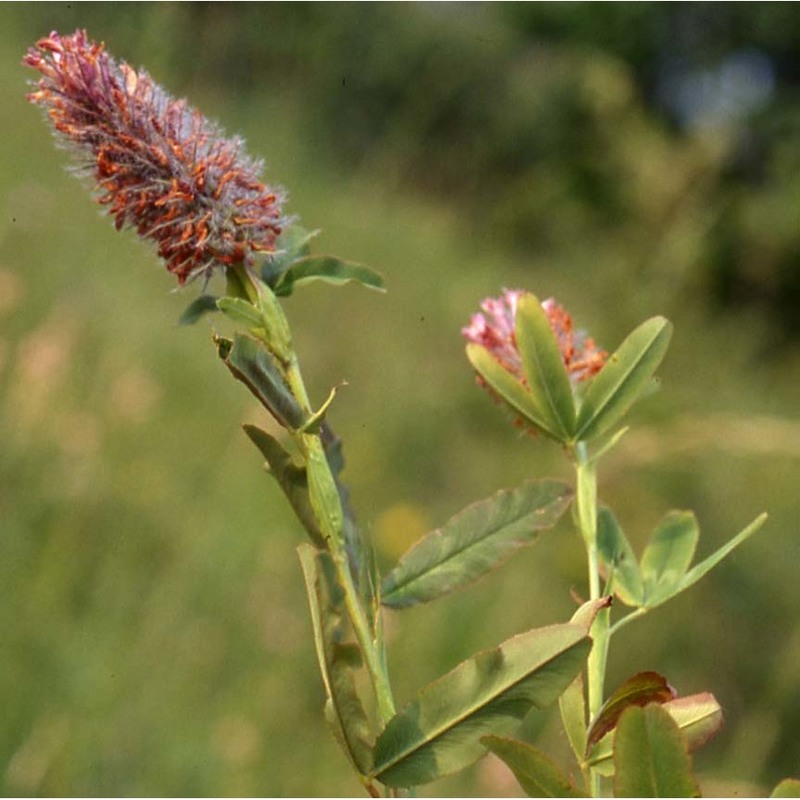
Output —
<point x="158" y="164"/>
<point x="494" y="330"/>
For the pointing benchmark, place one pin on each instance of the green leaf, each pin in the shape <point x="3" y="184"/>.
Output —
<point x="328" y="269"/>
<point x="537" y="773"/>
<point x="699" y="570"/>
<point x="290" y="477"/>
<point x="359" y="552"/>
<point x="439" y="732"/>
<point x="624" y="377"/>
<point x="572" y="705"/>
<point x="668" y="555"/>
<point x="337" y="661"/>
<point x="548" y="381"/>
<point x="314" y="422"/>
<point x="606" y="443"/>
<point x="650" y="756"/>
<point x="199" y="307"/>
<point x="254" y="366"/>
<point x="334" y="451"/>
<point x="241" y="312"/>
<point x="475" y="541"/>
<point x="789" y="787"/>
<point x="666" y="558"/>
<point x="588" y="611"/>
<point x="698" y="717"/>
<point x="368" y="579"/>
<point x="293" y="243"/>
<point x="617" y="560"/>
<point x="509" y="388"/>
<point x="638" y="690"/>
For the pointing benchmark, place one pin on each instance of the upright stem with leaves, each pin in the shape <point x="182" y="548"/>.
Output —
<point x="324" y="494"/>
<point x="558" y="384"/>
<point x="162" y="168"/>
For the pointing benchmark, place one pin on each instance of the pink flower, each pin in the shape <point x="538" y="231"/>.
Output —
<point x="157" y="163"/>
<point x="494" y="330"/>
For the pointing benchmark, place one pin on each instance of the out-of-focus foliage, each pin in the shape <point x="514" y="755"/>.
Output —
<point x="632" y="159"/>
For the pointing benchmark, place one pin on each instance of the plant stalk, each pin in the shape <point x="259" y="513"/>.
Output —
<point x="586" y="479"/>
<point x="325" y="497"/>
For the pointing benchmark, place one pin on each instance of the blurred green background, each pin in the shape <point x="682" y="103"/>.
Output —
<point x="631" y="159"/>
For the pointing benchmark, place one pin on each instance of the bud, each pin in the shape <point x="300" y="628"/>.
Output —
<point x="494" y="330"/>
<point x="158" y="164"/>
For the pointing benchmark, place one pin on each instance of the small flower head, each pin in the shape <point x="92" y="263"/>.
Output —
<point x="157" y="163"/>
<point x="494" y="330"/>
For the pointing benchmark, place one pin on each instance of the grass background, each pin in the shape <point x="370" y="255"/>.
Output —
<point x="155" y="635"/>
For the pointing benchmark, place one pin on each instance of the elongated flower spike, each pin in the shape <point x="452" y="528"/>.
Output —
<point x="158" y="164"/>
<point x="494" y="330"/>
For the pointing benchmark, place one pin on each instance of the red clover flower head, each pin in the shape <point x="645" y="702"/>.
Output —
<point x="494" y="330"/>
<point x="157" y="163"/>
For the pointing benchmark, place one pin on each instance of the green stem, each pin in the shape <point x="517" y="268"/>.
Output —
<point x="621" y="623"/>
<point x="330" y="517"/>
<point x="586" y="478"/>
<point x="328" y="507"/>
<point x="324" y="494"/>
<point x="587" y="514"/>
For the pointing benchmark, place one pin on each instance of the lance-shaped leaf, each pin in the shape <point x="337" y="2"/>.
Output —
<point x="290" y="477"/>
<point x="625" y="376"/>
<point x="200" y="306"/>
<point x="475" y="541"/>
<point x="328" y="269"/>
<point x="359" y="553"/>
<point x="572" y="703"/>
<point x="671" y="585"/>
<point x="293" y="243"/>
<point x="606" y="443"/>
<point x="617" y="560"/>
<point x="668" y="554"/>
<point x="509" y="388"/>
<point x="650" y="756"/>
<point x="241" y="312"/>
<point x="699" y="570"/>
<point x="439" y="732"/>
<point x="698" y="716"/>
<point x="664" y="572"/>
<point x="548" y="381"/>
<point x="789" y="787"/>
<point x="638" y="690"/>
<point x="537" y="773"/>
<point x="255" y="367"/>
<point x="337" y="660"/>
